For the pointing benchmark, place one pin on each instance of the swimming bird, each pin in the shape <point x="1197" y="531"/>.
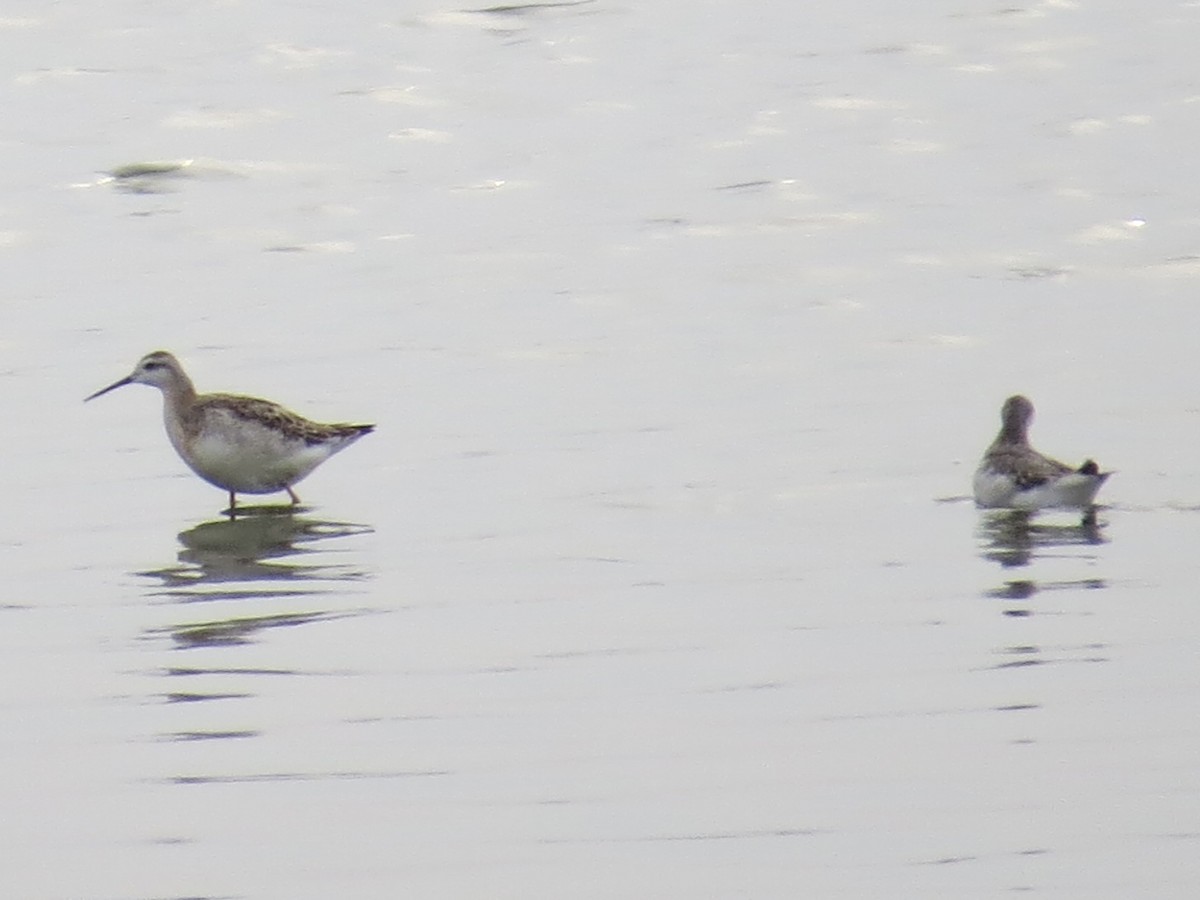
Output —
<point x="1015" y="476"/>
<point x="242" y="444"/>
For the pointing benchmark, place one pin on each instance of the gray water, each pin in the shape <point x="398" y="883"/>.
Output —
<point x="684" y="326"/>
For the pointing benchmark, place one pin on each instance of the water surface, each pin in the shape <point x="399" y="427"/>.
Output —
<point x="683" y="326"/>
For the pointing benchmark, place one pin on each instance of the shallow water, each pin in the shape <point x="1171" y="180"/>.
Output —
<point x="683" y="327"/>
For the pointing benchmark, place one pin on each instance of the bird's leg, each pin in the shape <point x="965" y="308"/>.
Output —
<point x="292" y="494"/>
<point x="232" y="505"/>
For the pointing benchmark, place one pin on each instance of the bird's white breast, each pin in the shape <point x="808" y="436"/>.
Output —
<point x="243" y="455"/>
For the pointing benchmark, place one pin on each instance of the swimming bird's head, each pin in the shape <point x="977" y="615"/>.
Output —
<point x="159" y="369"/>
<point x="1017" y="413"/>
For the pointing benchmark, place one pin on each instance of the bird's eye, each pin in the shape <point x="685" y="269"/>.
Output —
<point x="150" y="366"/>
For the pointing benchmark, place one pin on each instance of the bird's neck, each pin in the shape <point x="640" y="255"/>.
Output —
<point x="1012" y="433"/>
<point x="178" y="398"/>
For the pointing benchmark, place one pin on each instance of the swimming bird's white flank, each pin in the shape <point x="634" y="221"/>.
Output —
<point x="1015" y="476"/>
<point x="242" y="444"/>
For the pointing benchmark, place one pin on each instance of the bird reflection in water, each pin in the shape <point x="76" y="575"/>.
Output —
<point x="1016" y="538"/>
<point x="261" y="556"/>
<point x="1013" y="537"/>
<point x="254" y="548"/>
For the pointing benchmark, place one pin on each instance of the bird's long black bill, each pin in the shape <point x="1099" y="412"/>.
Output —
<point x="112" y="387"/>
